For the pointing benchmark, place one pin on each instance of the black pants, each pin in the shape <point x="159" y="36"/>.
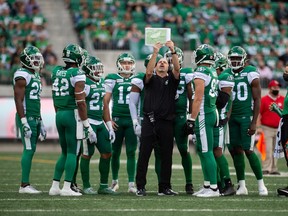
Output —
<point x="284" y="136"/>
<point x="160" y="133"/>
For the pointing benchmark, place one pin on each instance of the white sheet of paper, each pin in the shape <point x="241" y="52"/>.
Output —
<point x="154" y="35"/>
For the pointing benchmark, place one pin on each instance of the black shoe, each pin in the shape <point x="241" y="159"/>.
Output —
<point x="228" y="190"/>
<point x="265" y="172"/>
<point x="141" y="192"/>
<point x="167" y="192"/>
<point x="189" y="189"/>
<point x="275" y="173"/>
<point x="75" y="188"/>
<point x="283" y="191"/>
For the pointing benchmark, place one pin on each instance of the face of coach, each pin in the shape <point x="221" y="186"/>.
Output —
<point x="162" y="67"/>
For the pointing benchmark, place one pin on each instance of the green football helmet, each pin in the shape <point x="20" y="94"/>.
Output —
<point x="32" y="58"/>
<point x="85" y="55"/>
<point x="179" y="52"/>
<point x="73" y="53"/>
<point x="147" y="59"/>
<point x="204" y="54"/>
<point x="126" y="57"/>
<point x="163" y="50"/>
<point x="93" y="67"/>
<point x="236" y="57"/>
<point x="220" y="61"/>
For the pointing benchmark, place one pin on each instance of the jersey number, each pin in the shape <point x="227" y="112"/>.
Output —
<point x="123" y="98"/>
<point x="61" y="87"/>
<point x="34" y="93"/>
<point x="242" y="91"/>
<point x="93" y="103"/>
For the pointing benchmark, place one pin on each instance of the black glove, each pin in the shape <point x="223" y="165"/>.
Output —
<point x="223" y="122"/>
<point x="190" y="124"/>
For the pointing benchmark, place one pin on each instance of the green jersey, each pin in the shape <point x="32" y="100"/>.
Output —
<point x="33" y="90"/>
<point x="63" y="87"/>
<point x="95" y="92"/>
<point x="225" y="80"/>
<point x="138" y="81"/>
<point x="120" y="88"/>
<point x="209" y="75"/>
<point x="285" y="106"/>
<point x="186" y="76"/>
<point x="242" y="91"/>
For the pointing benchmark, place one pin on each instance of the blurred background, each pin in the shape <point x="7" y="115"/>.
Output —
<point x="109" y="27"/>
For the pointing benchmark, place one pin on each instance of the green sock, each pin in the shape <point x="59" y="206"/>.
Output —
<point x="239" y="165"/>
<point x="255" y="165"/>
<point x="59" y="167"/>
<point x="115" y="165"/>
<point x="210" y="167"/>
<point x="85" y="171"/>
<point x="187" y="166"/>
<point x="70" y="167"/>
<point x="131" y="168"/>
<point x="104" y="168"/>
<point x="204" y="171"/>
<point x="223" y="167"/>
<point x="26" y="163"/>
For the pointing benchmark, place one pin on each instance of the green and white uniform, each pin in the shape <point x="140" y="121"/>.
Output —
<point x="120" y="88"/>
<point x="32" y="107"/>
<point x="205" y="122"/>
<point x="186" y="77"/>
<point x="63" y="94"/>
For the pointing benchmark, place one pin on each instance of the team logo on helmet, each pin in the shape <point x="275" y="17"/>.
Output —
<point x="32" y="58"/>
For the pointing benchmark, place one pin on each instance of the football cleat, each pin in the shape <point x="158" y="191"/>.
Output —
<point x="75" y="188"/>
<point x="89" y="191"/>
<point x="107" y="191"/>
<point x="54" y="191"/>
<point x="29" y="190"/>
<point x="132" y="189"/>
<point x="283" y="191"/>
<point x="69" y="192"/>
<point x="189" y="189"/>
<point x="202" y="190"/>
<point x="242" y="191"/>
<point x="228" y="190"/>
<point x="115" y="186"/>
<point x="167" y="192"/>
<point x="209" y="193"/>
<point x="141" y="192"/>
<point x="263" y="191"/>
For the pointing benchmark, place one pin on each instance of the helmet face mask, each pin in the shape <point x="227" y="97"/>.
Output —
<point x="236" y="57"/>
<point x="73" y="53"/>
<point x="32" y="58"/>
<point x="220" y="61"/>
<point x="204" y="54"/>
<point x="93" y="68"/>
<point x="126" y="63"/>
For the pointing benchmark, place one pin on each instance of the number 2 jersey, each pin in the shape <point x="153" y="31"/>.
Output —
<point x="120" y="88"/>
<point x="63" y="84"/>
<point x="242" y="91"/>
<point x="33" y="90"/>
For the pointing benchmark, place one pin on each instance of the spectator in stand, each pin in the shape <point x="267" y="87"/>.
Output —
<point x="265" y="72"/>
<point x="281" y="14"/>
<point x="268" y="122"/>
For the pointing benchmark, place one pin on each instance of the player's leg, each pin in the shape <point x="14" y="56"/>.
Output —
<point x="131" y="147"/>
<point x="116" y="152"/>
<point x="182" y="144"/>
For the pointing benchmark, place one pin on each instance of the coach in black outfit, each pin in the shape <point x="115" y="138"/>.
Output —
<point x="159" y="112"/>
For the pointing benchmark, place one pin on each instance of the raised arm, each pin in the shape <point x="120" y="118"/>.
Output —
<point x="175" y="60"/>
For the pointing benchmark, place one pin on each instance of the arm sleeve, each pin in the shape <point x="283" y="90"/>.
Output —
<point x="222" y="99"/>
<point x="134" y="99"/>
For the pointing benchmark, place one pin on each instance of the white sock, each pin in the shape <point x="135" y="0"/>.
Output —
<point x="55" y="184"/>
<point x="206" y="184"/>
<point x="213" y="186"/>
<point x="242" y="183"/>
<point x="261" y="184"/>
<point x="115" y="181"/>
<point x="131" y="184"/>
<point x="66" y="185"/>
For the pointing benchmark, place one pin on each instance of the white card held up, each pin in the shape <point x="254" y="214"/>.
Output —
<point x="155" y="35"/>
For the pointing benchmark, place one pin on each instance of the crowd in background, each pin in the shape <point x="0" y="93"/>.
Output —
<point x="258" y="26"/>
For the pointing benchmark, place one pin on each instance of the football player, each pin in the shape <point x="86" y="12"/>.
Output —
<point x="27" y="90"/>
<point x="204" y="116"/>
<point x="95" y="91"/>
<point x="118" y="88"/>
<point x="71" y="116"/>
<point x="223" y="103"/>
<point x="242" y="123"/>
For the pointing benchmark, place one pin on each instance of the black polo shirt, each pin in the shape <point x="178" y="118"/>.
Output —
<point x="160" y="96"/>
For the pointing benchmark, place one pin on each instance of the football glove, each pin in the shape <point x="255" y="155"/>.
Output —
<point x="137" y="128"/>
<point x="26" y="128"/>
<point x="88" y="132"/>
<point x="190" y="124"/>
<point x="112" y="136"/>
<point x="43" y="132"/>
<point x="223" y="122"/>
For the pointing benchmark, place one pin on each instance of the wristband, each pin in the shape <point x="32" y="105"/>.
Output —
<point x="24" y="120"/>
<point x="109" y="125"/>
<point x="86" y="123"/>
<point x="191" y="119"/>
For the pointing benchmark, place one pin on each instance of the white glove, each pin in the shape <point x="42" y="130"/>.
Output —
<point x="137" y="127"/>
<point x="88" y="132"/>
<point x="193" y="139"/>
<point x="43" y="132"/>
<point x="112" y="135"/>
<point x="26" y="128"/>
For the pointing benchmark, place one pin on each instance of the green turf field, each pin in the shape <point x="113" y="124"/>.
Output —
<point x="13" y="203"/>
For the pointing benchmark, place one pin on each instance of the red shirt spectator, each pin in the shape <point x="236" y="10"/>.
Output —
<point x="269" y="118"/>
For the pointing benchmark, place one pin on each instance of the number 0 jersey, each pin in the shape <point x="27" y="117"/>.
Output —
<point x="242" y="91"/>
<point x="63" y="87"/>
<point x="95" y="92"/>
<point x="209" y="75"/>
<point x="120" y="88"/>
<point x="33" y="90"/>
